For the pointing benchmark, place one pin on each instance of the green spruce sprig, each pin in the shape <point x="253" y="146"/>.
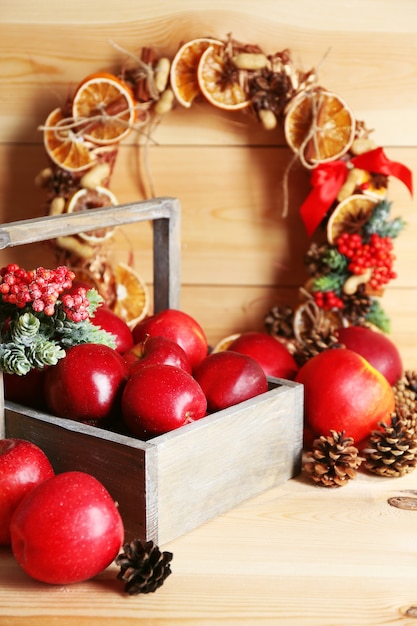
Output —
<point x="380" y="224"/>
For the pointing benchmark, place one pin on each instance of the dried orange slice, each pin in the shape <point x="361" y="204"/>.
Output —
<point x="183" y="73"/>
<point x="319" y="126"/>
<point x="308" y="317"/>
<point x="224" y="343"/>
<point x="106" y="107"/>
<point x="132" y="296"/>
<point x="65" y="147"/>
<point x="86" y="199"/>
<point x="350" y="216"/>
<point x="218" y="80"/>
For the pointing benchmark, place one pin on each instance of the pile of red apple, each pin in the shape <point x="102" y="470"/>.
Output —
<point x="62" y="528"/>
<point x="159" y="377"/>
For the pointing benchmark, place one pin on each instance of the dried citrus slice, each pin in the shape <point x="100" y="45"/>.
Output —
<point x="106" y="107"/>
<point x="319" y="126"/>
<point x="86" y="199"/>
<point x="350" y="216"/>
<point x="183" y="73"/>
<point x="224" y="343"/>
<point x="132" y="296"/>
<point x="308" y="317"/>
<point x="65" y="147"/>
<point x="218" y="80"/>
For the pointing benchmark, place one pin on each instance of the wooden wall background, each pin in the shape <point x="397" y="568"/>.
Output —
<point x="240" y="256"/>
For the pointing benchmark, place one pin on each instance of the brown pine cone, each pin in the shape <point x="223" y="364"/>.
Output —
<point x="279" y="321"/>
<point x="356" y="307"/>
<point x="333" y="460"/>
<point x="406" y="403"/>
<point x="410" y="379"/>
<point x="315" y="342"/>
<point x="392" y="450"/>
<point x="143" y="567"/>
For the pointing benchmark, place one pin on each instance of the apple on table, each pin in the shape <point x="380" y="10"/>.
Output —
<point x="23" y="466"/>
<point x="344" y="392"/>
<point x="67" y="529"/>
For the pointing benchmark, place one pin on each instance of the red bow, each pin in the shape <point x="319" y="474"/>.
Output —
<point x="328" y="178"/>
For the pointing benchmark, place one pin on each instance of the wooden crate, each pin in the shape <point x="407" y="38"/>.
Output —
<point x="177" y="481"/>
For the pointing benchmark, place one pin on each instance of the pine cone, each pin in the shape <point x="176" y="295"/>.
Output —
<point x="333" y="460"/>
<point x="279" y="322"/>
<point x="410" y="379"/>
<point x="356" y="306"/>
<point x="313" y="259"/>
<point x="317" y="341"/>
<point x="143" y="567"/>
<point x="405" y="402"/>
<point x="392" y="449"/>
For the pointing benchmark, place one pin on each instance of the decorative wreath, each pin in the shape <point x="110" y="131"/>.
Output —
<point x="347" y="207"/>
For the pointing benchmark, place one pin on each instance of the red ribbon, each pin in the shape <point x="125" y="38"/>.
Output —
<point x="328" y="178"/>
<point x="326" y="181"/>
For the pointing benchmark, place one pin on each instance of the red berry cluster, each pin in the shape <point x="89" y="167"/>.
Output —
<point x="76" y="305"/>
<point x="328" y="300"/>
<point x="41" y="289"/>
<point x="376" y="254"/>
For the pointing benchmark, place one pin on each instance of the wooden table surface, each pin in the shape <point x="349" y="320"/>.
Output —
<point x="297" y="554"/>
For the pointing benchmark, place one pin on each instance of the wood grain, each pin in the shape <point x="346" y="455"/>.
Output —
<point x="175" y="482"/>
<point x="296" y="554"/>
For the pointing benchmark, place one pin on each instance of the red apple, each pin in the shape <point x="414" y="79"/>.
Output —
<point x="177" y="326"/>
<point x="106" y="319"/>
<point x="272" y="355"/>
<point x="86" y="384"/>
<point x="158" y="350"/>
<point x="66" y="530"/>
<point x="376" y="348"/>
<point x="344" y="392"/>
<point x="27" y="389"/>
<point x="160" y="398"/>
<point x="23" y="466"/>
<point x="228" y="378"/>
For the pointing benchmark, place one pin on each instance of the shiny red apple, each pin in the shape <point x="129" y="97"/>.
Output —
<point x="160" y="398"/>
<point x="23" y="466"/>
<point x="376" y="348"/>
<point x="228" y="378"/>
<point x="272" y="355"/>
<point x="344" y="392"/>
<point x="177" y="326"/>
<point x="87" y="383"/>
<point x="106" y="319"/>
<point x="27" y="389"/>
<point x="159" y="350"/>
<point x="66" y="530"/>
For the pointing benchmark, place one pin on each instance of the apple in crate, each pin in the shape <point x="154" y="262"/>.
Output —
<point x="272" y="355"/>
<point x="66" y="530"/>
<point x="177" y="326"/>
<point x="159" y="398"/>
<point x="23" y="466"/>
<point x="106" y="319"/>
<point x="228" y="378"/>
<point x="87" y="383"/>
<point x="159" y="350"/>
